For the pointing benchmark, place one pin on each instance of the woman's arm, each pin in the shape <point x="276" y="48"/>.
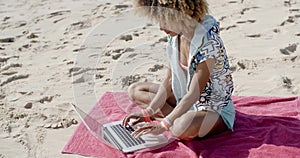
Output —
<point x="163" y="93"/>
<point x="198" y="83"/>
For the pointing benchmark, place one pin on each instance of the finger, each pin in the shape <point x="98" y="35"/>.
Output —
<point x="145" y="131"/>
<point x="139" y="134"/>
<point x="139" y="131"/>
<point x="136" y="133"/>
<point x="147" y="125"/>
<point x="126" y="119"/>
<point x="135" y="122"/>
<point x="158" y="131"/>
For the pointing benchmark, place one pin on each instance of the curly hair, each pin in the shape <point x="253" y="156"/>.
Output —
<point x="195" y="9"/>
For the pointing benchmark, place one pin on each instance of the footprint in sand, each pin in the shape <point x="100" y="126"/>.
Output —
<point x="2" y="96"/>
<point x="294" y="10"/>
<point x="246" y="64"/>
<point x="28" y="106"/>
<point x="128" y="80"/>
<point x="20" y="24"/>
<point x="289" y="49"/>
<point x="291" y="19"/>
<point x="136" y="34"/>
<point x="276" y="30"/>
<point x="232" y="2"/>
<point x="3" y="59"/>
<point x="14" y="78"/>
<point x="254" y="35"/>
<point x="61" y="123"/>
<point x="116" y="57"/>
<point x="98" y="76"/>
<point x="77" y="71"/>
<point x="40" y="137"/>
<point x="32" y="35"/>
<point x="228" y="28"/>
<point x="7" y="40"/>
<point x="163" y="39"/>
<point x="12" y="65"/>
<point x="17" y="116"/>
<point x="58" y="13"/>
<point x="289" y="3"/>
<point x="23" y="140"/>
<point x="121" y="6"/>
<point x="26" y="46"/>
<point x="126" y="37"/>
<point x="116" y="54"/>
<point x="79" y="49"/>
<point x="46" y="99"/>
<point x="74" y="69"/>
<point x="155" y="68"/>
<point x="233" y="68"/>
<point x="78" y="26"/>
<point x="69" y="62"/>
<point x="293" y="59"/>
<point x="246" y="21"/>
<point x="247" y="9"/>
<point x="6" y="18"/>
<point x="9" y="73"/>
<point x="79" y="80"/>
<point x="241" y="65"/>
<point x="287" y="82"/>
<point x="132" y="55"/>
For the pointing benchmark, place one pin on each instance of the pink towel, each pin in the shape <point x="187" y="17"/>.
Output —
<point x="264" y="127"/>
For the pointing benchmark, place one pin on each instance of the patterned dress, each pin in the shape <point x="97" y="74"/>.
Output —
<point x="205" y="44"/>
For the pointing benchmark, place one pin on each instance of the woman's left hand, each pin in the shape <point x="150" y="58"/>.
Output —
<point x="154" y="129"/>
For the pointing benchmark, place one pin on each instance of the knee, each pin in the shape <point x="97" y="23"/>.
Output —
<point x="132" y="90"/>
<point x="185" y="127"/>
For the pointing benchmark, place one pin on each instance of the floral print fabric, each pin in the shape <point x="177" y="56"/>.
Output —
<point x="218" y="90"/>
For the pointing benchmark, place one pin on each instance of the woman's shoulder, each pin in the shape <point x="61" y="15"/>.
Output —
<point x="209" y="24"/>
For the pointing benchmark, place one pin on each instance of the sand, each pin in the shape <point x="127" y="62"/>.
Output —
<point x="43" y="69"/>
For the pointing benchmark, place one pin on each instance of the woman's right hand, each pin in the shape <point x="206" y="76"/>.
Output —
<point x="137" y="116"/>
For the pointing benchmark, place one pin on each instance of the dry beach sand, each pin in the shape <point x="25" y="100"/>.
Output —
<point x="42" y="69"/>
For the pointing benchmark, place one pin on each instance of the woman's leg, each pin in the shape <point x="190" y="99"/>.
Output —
<point x="142" y="94"/>
<point x="198" y="124"/>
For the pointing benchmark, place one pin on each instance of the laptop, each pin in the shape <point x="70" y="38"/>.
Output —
<point x="119" y="136"/>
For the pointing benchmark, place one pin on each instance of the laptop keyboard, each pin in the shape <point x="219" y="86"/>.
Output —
<point x="124" y="134"/>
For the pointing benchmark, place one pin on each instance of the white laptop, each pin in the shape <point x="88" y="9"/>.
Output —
<point x="120" y="137"/>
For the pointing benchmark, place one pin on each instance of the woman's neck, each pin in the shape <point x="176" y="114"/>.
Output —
<point x="188" y="34"/>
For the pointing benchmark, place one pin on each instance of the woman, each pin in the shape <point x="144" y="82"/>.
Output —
<point x="194" y="98"/>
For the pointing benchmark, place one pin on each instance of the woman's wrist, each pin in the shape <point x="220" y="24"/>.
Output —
<point x="167" y="119"/>
<point x="146" y="115"/>
<point x="150" y="111"/>
<point x="166" y="123"/>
